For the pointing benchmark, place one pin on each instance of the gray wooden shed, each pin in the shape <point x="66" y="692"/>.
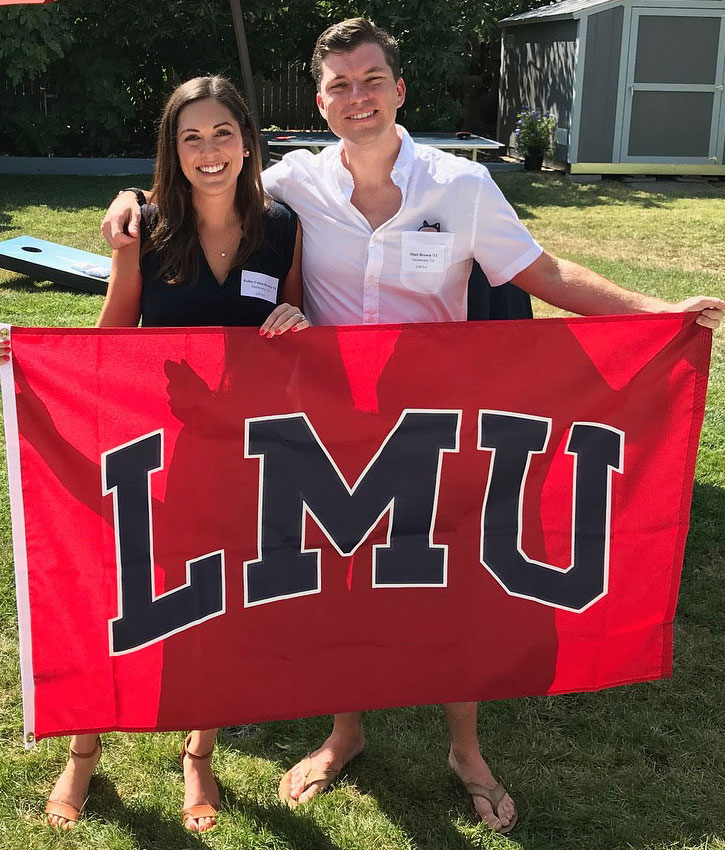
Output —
<point x="636" y="87"/>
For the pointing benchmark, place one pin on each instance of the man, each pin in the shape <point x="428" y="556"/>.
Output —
<point x="390" y="232"/>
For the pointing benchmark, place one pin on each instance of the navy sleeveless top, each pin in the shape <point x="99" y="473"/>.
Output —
<point x="246" y="297"/>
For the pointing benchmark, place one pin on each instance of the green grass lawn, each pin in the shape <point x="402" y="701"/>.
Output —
<point x="636" y="767"/>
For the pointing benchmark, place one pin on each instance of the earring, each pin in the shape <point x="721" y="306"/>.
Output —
<point x="246" y="152"/>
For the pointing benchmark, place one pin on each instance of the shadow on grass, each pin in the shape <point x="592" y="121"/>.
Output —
<point x="17" y="284"/>
<point x="293" y="827"/>
<point x="707" y="530"/>
<point x="63" y="193"/>
<point x="146" y="826"/>
<point x="527" y="192"/>
<point x="702" y="590"/>
<point x="423" y="803"/>
<point x="20" y="283"/>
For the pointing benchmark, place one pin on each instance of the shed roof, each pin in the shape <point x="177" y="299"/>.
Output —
<point x="567" y="9"/>
<point x="562" y="9"/>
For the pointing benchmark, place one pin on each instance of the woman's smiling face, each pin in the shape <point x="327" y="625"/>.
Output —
<point x="210" y="146"/>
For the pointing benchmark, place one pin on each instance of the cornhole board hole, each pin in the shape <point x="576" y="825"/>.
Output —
<point x="41" y="260"/>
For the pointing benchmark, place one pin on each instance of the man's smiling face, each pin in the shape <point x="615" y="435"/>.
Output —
<point x="359" y="95"/>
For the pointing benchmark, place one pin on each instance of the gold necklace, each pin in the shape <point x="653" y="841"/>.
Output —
<point x="223" y="253"/>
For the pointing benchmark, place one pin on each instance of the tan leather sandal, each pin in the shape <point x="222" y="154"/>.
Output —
<point x="202" y="810"/>
<point x="65" y="810"/>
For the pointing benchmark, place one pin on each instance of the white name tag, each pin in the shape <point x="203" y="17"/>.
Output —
<point x="425" y="252"/>
<point x="259" y="285"/>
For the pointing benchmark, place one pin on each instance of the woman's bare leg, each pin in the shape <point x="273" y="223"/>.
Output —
<point x="71" y="787"/>
<point x="199" y="784"/>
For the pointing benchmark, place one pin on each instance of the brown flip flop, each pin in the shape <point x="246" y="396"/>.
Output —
<point x="494" y="797"/>
<point x="311" y="775"/>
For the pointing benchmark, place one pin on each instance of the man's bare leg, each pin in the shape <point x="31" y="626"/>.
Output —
<point x="466" y="761"/>
<point x="345" y="742"/>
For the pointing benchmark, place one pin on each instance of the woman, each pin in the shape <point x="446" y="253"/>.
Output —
<point x="214" y="251"/>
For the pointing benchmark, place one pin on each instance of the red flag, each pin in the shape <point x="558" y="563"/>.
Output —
<point x="345" y="518"/>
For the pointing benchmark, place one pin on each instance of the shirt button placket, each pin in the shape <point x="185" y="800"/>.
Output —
<point x="371" y="286"/>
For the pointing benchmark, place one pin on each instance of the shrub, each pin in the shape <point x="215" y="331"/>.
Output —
<point x="534" y="132"/>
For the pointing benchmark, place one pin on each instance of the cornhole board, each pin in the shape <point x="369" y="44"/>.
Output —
<point x="41" y="260"/>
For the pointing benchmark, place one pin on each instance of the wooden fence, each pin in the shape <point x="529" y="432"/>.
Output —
<point x="288" y="100"/>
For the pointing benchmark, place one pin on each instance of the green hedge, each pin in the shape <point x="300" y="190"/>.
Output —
<point x="80" y="78"/>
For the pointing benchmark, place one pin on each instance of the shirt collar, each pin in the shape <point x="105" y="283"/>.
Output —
<point x="404" y="163"/>
<point x="400" y="173"/>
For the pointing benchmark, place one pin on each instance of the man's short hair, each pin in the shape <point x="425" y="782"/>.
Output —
<point x="346" y="36"/>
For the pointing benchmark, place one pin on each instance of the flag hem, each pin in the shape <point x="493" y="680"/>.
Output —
<point x="20" y="552"/>
<point x="227" y="721"/>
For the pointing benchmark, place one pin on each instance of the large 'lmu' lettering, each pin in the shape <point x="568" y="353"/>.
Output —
<point x="145" y="617"/>
<point x="298" y="476"/>
<point x="598" y="450"/>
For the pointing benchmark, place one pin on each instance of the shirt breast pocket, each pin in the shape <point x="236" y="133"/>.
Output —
<point x="425" y="258"/>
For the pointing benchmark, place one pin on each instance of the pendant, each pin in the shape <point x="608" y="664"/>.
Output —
<point x="223" y="254"/>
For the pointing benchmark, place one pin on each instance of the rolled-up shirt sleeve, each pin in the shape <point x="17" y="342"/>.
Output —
<point x="289" y="179"/>
<point x="274" y="179"/>
<point x="500" y="243"/>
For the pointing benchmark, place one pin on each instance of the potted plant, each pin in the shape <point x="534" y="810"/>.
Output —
<point x="533" y="134"/>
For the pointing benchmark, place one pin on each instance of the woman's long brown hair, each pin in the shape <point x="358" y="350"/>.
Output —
<point x="175" y="235"/>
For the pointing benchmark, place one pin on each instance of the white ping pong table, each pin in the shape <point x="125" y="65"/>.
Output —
<point x="316" y="140"/>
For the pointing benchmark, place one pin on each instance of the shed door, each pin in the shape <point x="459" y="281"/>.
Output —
<point x="675" y="77"/>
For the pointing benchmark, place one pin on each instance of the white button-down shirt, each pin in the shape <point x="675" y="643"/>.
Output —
<point x="398" y="272"/>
